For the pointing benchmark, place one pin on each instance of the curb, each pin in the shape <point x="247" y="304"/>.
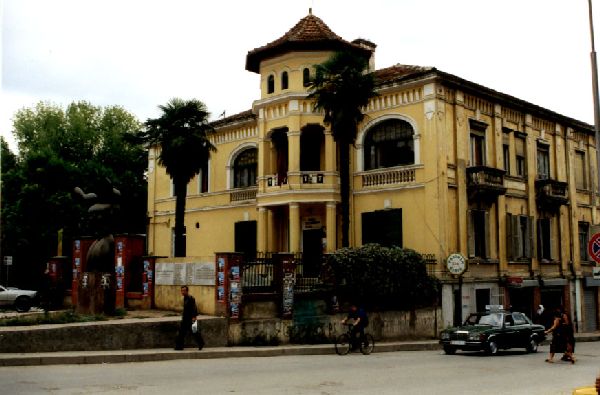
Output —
<point x="152" y="355"/>
<point x="163" y="354"/>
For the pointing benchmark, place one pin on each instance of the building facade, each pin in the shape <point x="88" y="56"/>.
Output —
<point x="441" y="165"/>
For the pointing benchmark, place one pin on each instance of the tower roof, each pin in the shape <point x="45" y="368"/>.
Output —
<point x="310" y="33"/>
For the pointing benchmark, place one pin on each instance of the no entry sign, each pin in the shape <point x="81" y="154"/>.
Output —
<point x="594" y="247"/>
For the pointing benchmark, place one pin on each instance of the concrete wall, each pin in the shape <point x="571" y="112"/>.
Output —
<point x="107" y="335"/>
<point x="389" y="325"/>
<point x="168" y="297"/>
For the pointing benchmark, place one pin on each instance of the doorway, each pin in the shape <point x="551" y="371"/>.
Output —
<point x="312" y="251"/>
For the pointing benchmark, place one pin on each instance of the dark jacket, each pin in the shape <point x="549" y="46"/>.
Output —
<point x="189" y="308"/>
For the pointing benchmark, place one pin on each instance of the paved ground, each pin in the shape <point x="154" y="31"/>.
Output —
<point x="416" y="372"/>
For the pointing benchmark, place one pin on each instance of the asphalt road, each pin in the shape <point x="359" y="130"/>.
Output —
<point x="414" y="372"/>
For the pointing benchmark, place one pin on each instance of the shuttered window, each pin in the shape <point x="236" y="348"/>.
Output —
<point x="383" y="227"/>
<point x="544" y="239"/>
<point x="519" y="237"/>
<point x="584" y="236"/>
<point x="580" y="173"/>
<point x="520" y="156"/>
<point x="543" y="162"/>
<point x="245" y="237"/>
<point x="478" y="233"/>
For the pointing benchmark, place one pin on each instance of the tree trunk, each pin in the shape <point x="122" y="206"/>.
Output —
<point x="180" y="194"/>
<point x="345" y="190"/>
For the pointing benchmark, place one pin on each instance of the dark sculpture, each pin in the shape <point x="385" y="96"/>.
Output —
<point x="105" y="204"/>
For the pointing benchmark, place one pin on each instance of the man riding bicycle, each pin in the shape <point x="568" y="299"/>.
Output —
<point x="360" y="322"/>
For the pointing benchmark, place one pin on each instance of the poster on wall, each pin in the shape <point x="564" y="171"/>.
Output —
<point x="221" y="294"/>
<point x="235" y="273"/>
<point x="235" y="291"/>
<point x="288" y="294"/>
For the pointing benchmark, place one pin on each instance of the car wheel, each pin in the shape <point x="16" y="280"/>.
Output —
<point x="449" y="350"/>
<point x="532" y="346"/>
<point x="22" y="304"/>
<point x="492" y="348"/>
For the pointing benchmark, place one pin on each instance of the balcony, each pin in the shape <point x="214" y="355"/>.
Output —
<point x="485" y="182"/>
<point x="242" y="194"/>
<point x="551" y="193"/>
<point x="389" y="176"/>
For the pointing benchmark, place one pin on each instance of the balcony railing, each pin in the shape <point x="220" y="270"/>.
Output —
<point x="485" y="181"/>
<point x="551" y="193"/>
<point x="389" y="176"/>
<point x="239" y="195"/>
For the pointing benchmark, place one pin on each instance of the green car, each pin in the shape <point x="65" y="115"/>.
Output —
<point x="493" y="331"/>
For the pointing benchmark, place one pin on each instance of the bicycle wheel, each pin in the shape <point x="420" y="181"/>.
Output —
<point x="342" y="344"/>
<point x="367" y="346"/>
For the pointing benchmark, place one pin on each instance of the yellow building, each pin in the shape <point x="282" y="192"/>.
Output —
<point x="441" y="165"/>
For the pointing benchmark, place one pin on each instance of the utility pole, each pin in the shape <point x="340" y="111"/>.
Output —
<point x="595" y="93"/>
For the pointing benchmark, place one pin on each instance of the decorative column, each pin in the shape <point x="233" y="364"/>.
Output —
<point x="462" y="159"/>
<point x="329" y="151"/>
<point x="501" y="203"/>
<point x="262" y="241"/>
<point x="294" y="227"/>
<point x="331" y="223"/>
<point x="293" y="151"/>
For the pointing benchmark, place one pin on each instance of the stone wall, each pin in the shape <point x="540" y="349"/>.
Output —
<point x="306" y="329"/>
<point x="107" y="335"/>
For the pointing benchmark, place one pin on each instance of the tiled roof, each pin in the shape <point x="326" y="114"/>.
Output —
<point x="398" y="72"/>
<point x="310" y="33"/>
<point x="242" y="116"/>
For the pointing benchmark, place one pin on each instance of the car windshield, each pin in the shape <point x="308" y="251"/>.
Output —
<point x="492" y="319"/>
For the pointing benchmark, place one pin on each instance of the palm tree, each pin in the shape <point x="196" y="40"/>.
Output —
<point x="181" y="132"/>
<point x="341" y="88"/>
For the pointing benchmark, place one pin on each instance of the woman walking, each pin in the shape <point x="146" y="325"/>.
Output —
<point x="558" y="344"/>
<point x="569" y="335"/>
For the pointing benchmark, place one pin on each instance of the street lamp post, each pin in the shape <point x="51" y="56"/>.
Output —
<point x="595" y="95"/>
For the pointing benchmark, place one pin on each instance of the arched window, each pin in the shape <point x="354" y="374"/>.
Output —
<point x="271" y="84"/>
<point x="284" y="80"/>
<point x="389" y="143"/>
<point x="306" y="77"/>
<point x="245" y="168"/>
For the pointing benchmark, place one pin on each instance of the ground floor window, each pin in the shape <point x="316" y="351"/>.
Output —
<point x="245" y="237"/>
<point x="383" y="227"/>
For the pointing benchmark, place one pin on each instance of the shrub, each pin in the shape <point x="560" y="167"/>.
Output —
<point x="379" y="277"/>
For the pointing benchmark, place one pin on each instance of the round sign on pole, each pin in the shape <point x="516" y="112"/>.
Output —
<point x="594" y="247"/>
<point x="456" y="264"/>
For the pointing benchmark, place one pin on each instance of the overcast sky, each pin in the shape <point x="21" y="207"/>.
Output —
<point x="139" y="54"/>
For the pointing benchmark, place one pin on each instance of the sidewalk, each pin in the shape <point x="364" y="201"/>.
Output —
<point x="164" y="354"/>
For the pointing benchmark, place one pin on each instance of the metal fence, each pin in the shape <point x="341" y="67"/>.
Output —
<point x="262" y="274"/>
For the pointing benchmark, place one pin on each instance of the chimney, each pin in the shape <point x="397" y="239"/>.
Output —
<point x="370" y="46"/>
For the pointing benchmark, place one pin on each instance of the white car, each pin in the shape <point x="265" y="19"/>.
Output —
<point x="20" y="299"/>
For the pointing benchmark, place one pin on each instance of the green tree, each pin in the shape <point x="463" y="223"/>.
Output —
<point x="341" y="88"/>
<point x="181" y="133"/>
<point x="60" y="149"/>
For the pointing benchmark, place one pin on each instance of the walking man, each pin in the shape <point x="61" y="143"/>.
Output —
<point x="188" y="317"/>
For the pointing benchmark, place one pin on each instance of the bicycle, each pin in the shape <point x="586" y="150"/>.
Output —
<point x="344" y="343"/>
